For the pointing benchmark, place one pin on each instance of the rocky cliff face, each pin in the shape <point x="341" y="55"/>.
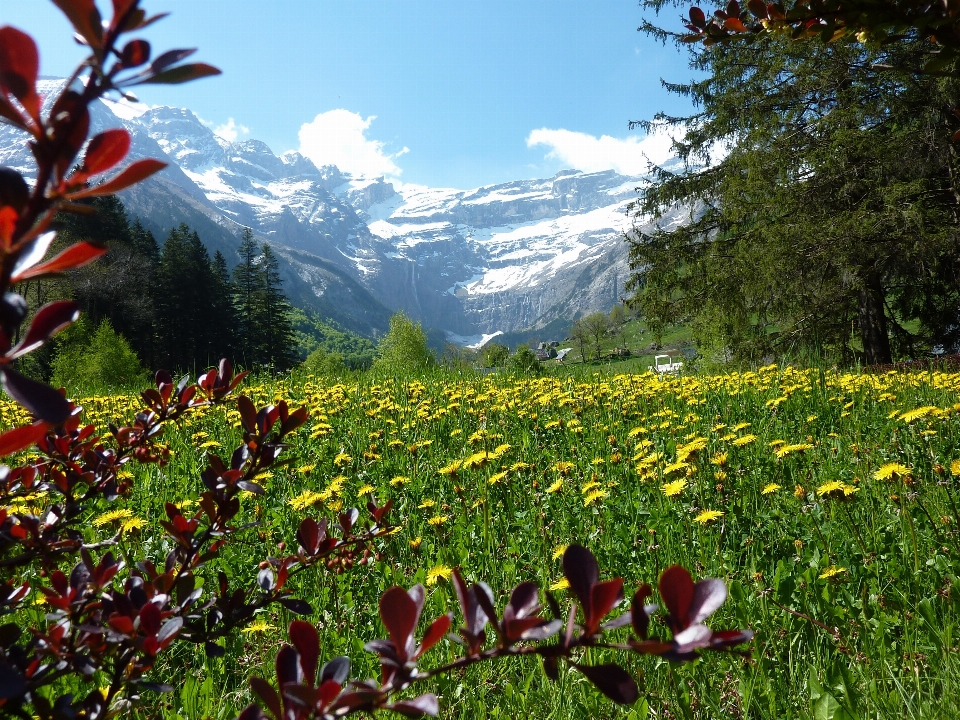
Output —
<point x="497" y="258"/>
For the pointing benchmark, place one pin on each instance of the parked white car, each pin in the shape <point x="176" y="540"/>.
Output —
<point x="665" y="364"/>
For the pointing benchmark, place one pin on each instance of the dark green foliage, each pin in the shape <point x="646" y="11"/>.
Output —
<point x="494" y="355"/>
<point x="823" y="207"/>
<point x="525" y="360"/>
<point x="313" y="333"/>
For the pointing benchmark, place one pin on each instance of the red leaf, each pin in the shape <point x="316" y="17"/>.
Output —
<point x="734" y="24"/>
<point x="328" y="692"/>
<point x="48" y="321"/>
<point x="708" y="595"/>
<point x="697" y="17"/>
<point x="399" y="614"/>
<point x="638" y="613"/>
<point x="248" y="413"/>
<point x="758" y="8"/>
<point x="19" y="65"/>
<point x="580" y="569"/>
<point x="603" y="596"/>
<point x="150" y="619"/>
<point x="40" y="399"/>
<point x="306" y="640"/>
<point x="181" y="74"/>
<point x="426" y="704"/>
<point x="74" y="256"/>
<point x="262" y="689"/>
<point x="676" y="589"/>
<point x="136" y="172"/>
<point x="85" y="18"/>
<point x="308" y="535"/>
<point x="21" y="437"/>
<point x="613" y="681"/>
<point x="106" y="150"/>
<point x="438" y="628"/>
<point x="137" y="52"/>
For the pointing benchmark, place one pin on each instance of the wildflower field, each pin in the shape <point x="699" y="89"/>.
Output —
<point x="827" y="501"/>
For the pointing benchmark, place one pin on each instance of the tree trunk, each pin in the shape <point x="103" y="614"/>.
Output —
<point x="873" y="322"/>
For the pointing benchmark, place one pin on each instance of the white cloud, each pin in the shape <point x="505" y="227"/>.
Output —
<point x="231" y="130"/>
<point x="630" y="156"/>
<point x="337" y="137"/>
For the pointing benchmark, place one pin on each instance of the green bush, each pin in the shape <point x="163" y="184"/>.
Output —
<point x="323" y="363"/>
<point x="525" y="360"/>
<point x="404" y="349"/>
<point x="101" y="360"/>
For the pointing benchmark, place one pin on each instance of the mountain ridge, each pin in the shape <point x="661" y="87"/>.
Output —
<point x="498" y="258"/>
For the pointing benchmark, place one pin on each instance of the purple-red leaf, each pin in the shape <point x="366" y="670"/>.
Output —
<point x="48" y="321"/>
<point x="135" y="172"/>
<point x="268" y="696"/>
<point x="697" y="17"/>
<point x="41" y="400"/>
<point x="306" y="640"/>
<point x="288" y="665"/>
<point x="248" y="413"/>
<point x="524" y="600"/>
<point x="336" y="670"/>
<point x="425" y="704"/>
<point x="438" y="628"/>
<point x="613" y="681"/>
<point x="580" y="569"/>
<point x="135" y="53"/>
<point x="708" y="595"/>
<point x="19" y="65"/>
<point x="77" y="255"/>
<point x="106" y="150"/>
<point x="638" y="610"/>
<point x="85" y="17"/>
<point x="21" y="437"/>
<point x="399" y="613"/>
<point x="308" y="535"/>
<point x="603" y="596"/>
<point x="676" y="589"/>
<point x="181" y="74"/>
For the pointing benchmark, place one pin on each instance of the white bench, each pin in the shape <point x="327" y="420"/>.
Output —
<point x="665" y="364"/>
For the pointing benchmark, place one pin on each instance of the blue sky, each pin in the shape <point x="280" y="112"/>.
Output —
<point x="455" y="93"/>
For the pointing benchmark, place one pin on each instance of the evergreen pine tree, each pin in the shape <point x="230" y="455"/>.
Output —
<point x="223" y="323"/>
<point x="278" y="345"/>
<point x="247" y="287"/>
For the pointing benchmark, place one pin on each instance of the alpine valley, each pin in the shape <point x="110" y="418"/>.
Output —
<point x="504" y="258"/>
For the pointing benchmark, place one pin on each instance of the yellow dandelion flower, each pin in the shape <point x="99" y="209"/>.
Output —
<point x="892" y="471"/>
<point x="399" y="480"/>
<point x="674" y="468"/>
<point x="306" y="499"/>
<point x="672" y="489"/>
<point x="785" y="450"/>
<point x="707" y="516"/>
<point x="556" y="486"/>
<point x="306" y="469"/>
<point x="440" y="571"/>
<point x="911" y="415"/>
<point x="740" y="426"/>
<point x="342" y="459"/>
<point x="776" y="443"/>
<point x="415" y="543"/>
<point x="719" y="459"/>
<point x="831" y="572"/>
<point x="594" y="497"/>
<point x="494" y="479"/>
<point x="955" y="467"/>
<point x="365" y="490"/>
<point x="799" y="492"/>
<point x="209" y="444"/>
<point x="518" y="466"/>
<point x="132" y="524"/>
<point x="558" y="551"/>
<point x="745" y="440"/>
<point x="437" y="520"/>
<point x="111" y="517"/>
<point x="426" y="504"/>
<point x="258" y="626"/>
<point x="561" y="584"/>
<point x="769" y="489"/>
<point x="564" y="468"/>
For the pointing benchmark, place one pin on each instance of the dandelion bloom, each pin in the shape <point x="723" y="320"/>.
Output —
<point x="561" y="584"/>
<point x="258" y="626"/>
<point x="836" y="489"/>
<point x="707" y="516"/>
<point x="555" y="487"/>
<point x="558" y="551"/>
<point x="832" y="572"/>
<point x="594" y="496"/>
<point x="438" y="520"/>
<point x="955" y="467"/>
<point x="892" y="471"/>
<point x="769" y="489"/>
<point x="745" y="440"/>
<point x="672" y="489"/>
<point x="435" y="573"/>
<point x="399" y="480"/>
<point x="365" y="490"/>
<point x="112" y="516"/>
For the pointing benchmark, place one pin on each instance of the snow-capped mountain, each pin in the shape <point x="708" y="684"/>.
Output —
<point x="494" y="259"/>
